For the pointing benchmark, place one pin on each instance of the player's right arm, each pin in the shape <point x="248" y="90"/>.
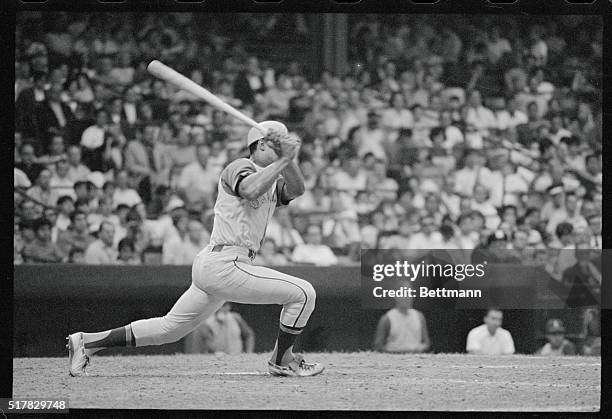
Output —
<point x="251" y="184"/>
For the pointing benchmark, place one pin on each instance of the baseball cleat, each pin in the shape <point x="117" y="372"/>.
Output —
<point x="296" y="368"/>
<point x="76" y="354"/>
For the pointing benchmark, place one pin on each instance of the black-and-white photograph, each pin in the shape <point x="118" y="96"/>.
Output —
<point x="195" y="195"/>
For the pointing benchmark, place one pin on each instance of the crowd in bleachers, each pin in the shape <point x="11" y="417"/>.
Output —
<point x="443" y="132"/>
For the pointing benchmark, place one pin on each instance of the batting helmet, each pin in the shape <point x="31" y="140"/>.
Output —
<point x="256" y="135"/>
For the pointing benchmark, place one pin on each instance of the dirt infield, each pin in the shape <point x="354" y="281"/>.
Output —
<point x="358" y="381"/>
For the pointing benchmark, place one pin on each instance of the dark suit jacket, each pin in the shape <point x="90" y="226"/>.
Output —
<point x="47" y="120"/>
<point x="25" y="114"/>
<point x="243" y="91"/>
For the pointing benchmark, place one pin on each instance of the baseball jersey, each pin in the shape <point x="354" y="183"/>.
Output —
<point x="238" y="221"/>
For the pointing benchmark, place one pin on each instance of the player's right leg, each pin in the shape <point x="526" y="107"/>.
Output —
<point x="193" y="307"/>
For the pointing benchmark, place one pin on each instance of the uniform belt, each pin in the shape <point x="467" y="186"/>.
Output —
<point x="219" y="247"/>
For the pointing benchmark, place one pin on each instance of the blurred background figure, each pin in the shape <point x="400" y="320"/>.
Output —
<point x="402" y="329"/>
<point x="223" y="332"/>
<point x="557" y="344"/>
<point x="490" y="338"/>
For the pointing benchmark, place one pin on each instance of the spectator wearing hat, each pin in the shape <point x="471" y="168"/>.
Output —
<point x="42" y="249"/>
<point x="557" y="344"/>
<point x="101" y="251"/>
<point x="490" y="338"/>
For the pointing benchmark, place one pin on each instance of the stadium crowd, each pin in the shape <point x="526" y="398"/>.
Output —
<point x="447" y="132"/>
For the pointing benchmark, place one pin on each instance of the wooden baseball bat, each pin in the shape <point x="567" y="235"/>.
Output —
<point x="162" y="71"/>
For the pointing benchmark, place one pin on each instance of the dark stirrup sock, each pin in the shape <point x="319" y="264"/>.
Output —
<point x="285" y="341"/>
<point x="121" y="336"/>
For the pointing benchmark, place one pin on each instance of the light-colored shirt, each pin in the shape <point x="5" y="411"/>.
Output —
<point x="127" y="196"/>
<point x="98" y="253"/>
<point x="93" y="137"/>
<point x="405" y="330"/>
<point x="80" y="172"/>
<point x="198" y="182"/>
<point x="238" y="221"/>
<point x="479" y="340"/>
<point x="317" y="254"/>
<point x="178" y="251"/>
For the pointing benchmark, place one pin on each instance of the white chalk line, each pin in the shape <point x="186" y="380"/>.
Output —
<point x="525" y="366"/>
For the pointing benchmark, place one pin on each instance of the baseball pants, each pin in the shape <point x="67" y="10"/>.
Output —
<point x="228" y="275"/>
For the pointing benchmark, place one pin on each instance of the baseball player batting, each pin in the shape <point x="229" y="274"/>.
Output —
<point x="249" y="191"/>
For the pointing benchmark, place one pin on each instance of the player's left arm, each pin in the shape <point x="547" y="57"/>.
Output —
<point x="293" y="185"/>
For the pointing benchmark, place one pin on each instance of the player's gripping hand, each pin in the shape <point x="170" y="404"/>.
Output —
<point x="284" y="145"/>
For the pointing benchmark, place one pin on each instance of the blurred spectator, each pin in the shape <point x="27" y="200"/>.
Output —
<point x="41" y="193"/>
<point x="557" y="344"/>
<point x="28" y="100"/>
<point x="52" y="115"/>
<point x="249" y="84"/>
<point x="60" y="180"/>
<point x="197" y="182"/>
<point x="269" y="256"/>
<point x="127" y="253"/>
<point x="76" y="171"/>
<point x="101" y="251"/>
<point x="28" y="164"/>
<point x="591" y="332"/>
<point x="124" y="194"/>
<point x="76" y="235"/>
<point x="65" y="205"/>
<point x="182" y="249"/>
<point x="402" y="330"/>
<point x="223" y="332"/>
<point x="282" y="232"/>
<point x="42" y="249"/>
<point x="490" y="338"/>
<point x="312" y="251"/>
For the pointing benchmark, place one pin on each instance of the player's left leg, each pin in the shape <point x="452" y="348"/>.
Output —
<point x="193" y="307"/>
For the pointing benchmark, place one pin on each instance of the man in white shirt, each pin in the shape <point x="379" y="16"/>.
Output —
<point x="123" y="193"/>
<point x="183" y="250"/>
<point x="76" y="170"/>
<point x="370" y="138"/>
<point x="473" y="172"/>
<point x="197" y="181"/>
<point x="478" y="116"/>
<point x="102" y="251"/>
<point x="490" y="338"/>
<point x="61" y="181"/>
<point x="313" y="251"/>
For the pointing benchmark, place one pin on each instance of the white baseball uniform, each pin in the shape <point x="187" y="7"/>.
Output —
<point x="224" y="270"/>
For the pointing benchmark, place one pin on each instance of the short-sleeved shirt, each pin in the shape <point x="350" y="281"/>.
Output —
<point x="238" y="221"/>
<point x="500" y="343"/>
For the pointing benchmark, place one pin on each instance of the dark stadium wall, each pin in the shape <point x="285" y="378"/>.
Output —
<point x="53" y="300"/>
